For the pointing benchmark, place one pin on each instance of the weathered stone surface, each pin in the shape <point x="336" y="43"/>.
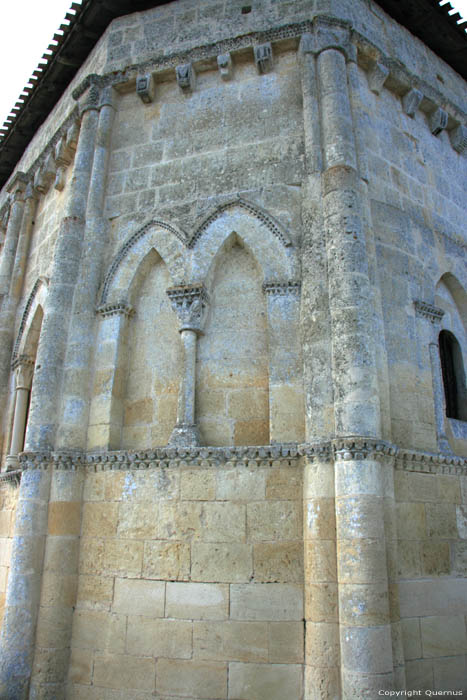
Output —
<point x="132" y="596"/>
<point x="304" y="210"/>
<point x="197" y="601"/>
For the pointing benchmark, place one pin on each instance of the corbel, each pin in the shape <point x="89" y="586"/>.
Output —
<point x="438" y="121"/>
<point x="145" y="88"/>
<point x="225" y="65"/>
<point x="458" y="138"/>
<point x="63" y="160"/>
<point x="45" y="175"/>
<point x="411" y="101"/>
<point x="72" y="135"/>
<point x="263" y="57"/>
<point x="377" y="76"/>
<point x="186" y="76"/>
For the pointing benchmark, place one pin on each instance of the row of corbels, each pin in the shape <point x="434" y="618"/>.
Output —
<point x="437" y="120"/>
<point x="57" y="161"/>
<point x="185" y="73"/>
<point x="51" y="170"/>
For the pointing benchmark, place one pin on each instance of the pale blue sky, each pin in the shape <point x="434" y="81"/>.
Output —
<point x="27" y="29"/>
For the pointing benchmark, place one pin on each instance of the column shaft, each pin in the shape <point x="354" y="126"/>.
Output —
<point x="186" y="401"/>
<point x="59" y="584"/>
<point x="365" y="632"/>
<point x="24" y="584"/>
<point x="11" y="242"/>
<point x="51" y="350"/>
<point x="322" y="649"/>
<point x="81" y="347"/>
<point x="19" y="420"/>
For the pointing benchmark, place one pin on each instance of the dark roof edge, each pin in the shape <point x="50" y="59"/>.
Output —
<point x="88" y="22"/>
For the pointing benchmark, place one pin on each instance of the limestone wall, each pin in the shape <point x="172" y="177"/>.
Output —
<point x="191" y="583"/>
<point x="431" y="526"/>
<point x="264" y="263"/>
<point x="8" y="500"/>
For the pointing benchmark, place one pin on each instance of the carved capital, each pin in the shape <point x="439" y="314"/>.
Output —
<point x="263" y="57"/>
<point x="23" y="368"/>
<point x="225" y="65"/>
<point x="119" y="308"/>
<point x="282" y="288"/>
<point x="90" y="97"/>
<point x="411" y="101"/>
<point x="458" y="138"/>
<point x="428" y="311"/>
<point x="438" y="121"/>
<point x="328" y="34"/>
<point x="145" y="88"/>
<point x="186" y="76"/>
<point x="17" y="185"/>
<point x="190" y="303"/>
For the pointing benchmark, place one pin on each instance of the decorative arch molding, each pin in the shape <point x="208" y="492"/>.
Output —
<point x="264" y="217"/>
<point x="457" y="291"/>
<point x="258" y="231"/>
<point x="127" y="260"/>
<point x="35" y="299"/>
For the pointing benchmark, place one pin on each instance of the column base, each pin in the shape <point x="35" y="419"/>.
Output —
<point x="185" y="435"/>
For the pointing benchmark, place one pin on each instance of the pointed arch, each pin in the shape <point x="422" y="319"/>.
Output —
<point x="259" y="231"/>
<point x="126" y="262"/>
<point x="35" y="299"/>
<point x="457" y="293"/>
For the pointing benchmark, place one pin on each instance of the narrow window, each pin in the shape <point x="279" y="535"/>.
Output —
<point x="453" y="376"/>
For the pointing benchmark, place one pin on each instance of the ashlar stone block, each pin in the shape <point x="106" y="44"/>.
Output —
<point x="266" y="601"/>
<point x="443" y="636"/>
<point x="231" y="641"/>
<point x="197" y="601"/>
<point x="166" y="560"/>
<point x="139" y="597"/>
<point x="122" y="671"/>
<point x="200" y="679"/>
<point x="167" y="638"/>
<point x="264" y="681"/>
<point x="230" y="562"/>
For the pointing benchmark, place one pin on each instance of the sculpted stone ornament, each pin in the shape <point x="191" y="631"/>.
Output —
<point x="428" y="311"/>
<point x="72" y="136"/>
<point x="411" y="101"/>
<point x="63" y="160"/>
<point x="376" y="77"/>
<point x="185" y="76"/>
<point x="190" y="303"/>
<point x="458" y="138"/>
<point x="263" y="57"/>
<point x="438" y="121"/>
<point x="23" y="367"/>
<point x="225" y="65"/>
<point x="119" y="308"/>
<point x="45" y="175"/>
<point x="145" y="88"/>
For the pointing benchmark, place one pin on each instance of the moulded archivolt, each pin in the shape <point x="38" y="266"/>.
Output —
<point x="121" y="258"/>
<point x="35" y="297"/>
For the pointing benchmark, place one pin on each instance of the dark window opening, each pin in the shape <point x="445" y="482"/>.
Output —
<point x="453" y="376"/>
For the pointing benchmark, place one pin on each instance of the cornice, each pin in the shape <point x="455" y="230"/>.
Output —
<point x="204" y="57"/>
<point x="280" y="454"/>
